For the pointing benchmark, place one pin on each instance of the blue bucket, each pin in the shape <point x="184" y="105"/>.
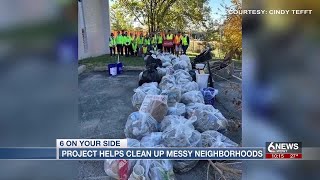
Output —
<point x="209" y="95"/>
<point x="112" y="69"/>
<point x="119" y="68"/>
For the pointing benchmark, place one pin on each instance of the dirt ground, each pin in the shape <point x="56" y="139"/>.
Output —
<point x="105" y="104"/>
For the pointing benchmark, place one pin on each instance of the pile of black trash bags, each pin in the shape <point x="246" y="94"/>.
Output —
<point x="188" y="121"/>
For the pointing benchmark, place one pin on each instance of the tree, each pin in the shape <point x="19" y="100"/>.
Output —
<point x="212" y="33"/>
<point x="120" y="20"/>
<point x="232" y="30"/>
<point x="165" y="14"/>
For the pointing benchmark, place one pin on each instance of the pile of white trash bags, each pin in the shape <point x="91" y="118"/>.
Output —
<point x="184" y="121"/>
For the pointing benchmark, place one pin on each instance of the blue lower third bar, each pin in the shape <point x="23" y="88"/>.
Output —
<point x="24" y="153"/>
<point x="132" y="153"/>
<point x="162" y="153"/>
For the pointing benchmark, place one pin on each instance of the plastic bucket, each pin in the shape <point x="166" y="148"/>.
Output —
<point x="209" y="95"/>
<point x="200" y="66"/>
<point x="112" y="69"/>
<point x="202" y="80"/>
<point x="119" y="68"/>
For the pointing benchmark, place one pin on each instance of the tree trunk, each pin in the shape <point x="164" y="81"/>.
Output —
<point x="229" y="56"/>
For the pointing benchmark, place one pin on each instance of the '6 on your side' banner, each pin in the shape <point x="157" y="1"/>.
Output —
<point x="86" y="149"/>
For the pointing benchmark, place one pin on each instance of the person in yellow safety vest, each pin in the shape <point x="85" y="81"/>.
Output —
<point x="147" y="42"/>
<point x="112" y="44"/>
<point x="127" y="44"/>
<point x="130" y="47"/>
<point x="140" y="40"/>
<point x="120" y="43"/>
<point x="159" y="41"/>
<point x="144" y="50"/>
<point x="134" y="45"/>
<point x="154" y="42"/>
<point x="153" y="39"/>
<point x="169" y="37"/>
<point x="177" y="43"/>
<point x="185" y="41"/>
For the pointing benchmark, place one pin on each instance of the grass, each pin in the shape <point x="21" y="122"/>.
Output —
<point x="107" y="59"/>
<point x="127" y="61"/>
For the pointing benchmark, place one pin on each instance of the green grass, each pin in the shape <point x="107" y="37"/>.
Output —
<point x="107" y="59"/>
<point x="127" y="61"/>
<point x="192" y="54"/>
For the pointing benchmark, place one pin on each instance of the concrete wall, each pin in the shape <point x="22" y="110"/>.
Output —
<point x="97" y="28"/>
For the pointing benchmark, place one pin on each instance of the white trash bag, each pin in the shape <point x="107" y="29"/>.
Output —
<point x="179" y="132"/>
<point x="139" y="125"/>
<point x="192" y="97"/>
<point x="189" y="86"/>
<point x="167" y="82"/>
<point x="208" y="118"/>
<point x="182" y="74"/>
<point x="142" y="91"/>
<point x="177" y="109"/>
<point x="111" y="166"/>
<point x="215" y="139"/>
<point x="151" y="140"/>
<point x="153" y="170"/>
<point x="174" y="95"/>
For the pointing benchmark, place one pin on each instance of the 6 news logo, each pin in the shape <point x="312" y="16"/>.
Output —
<point x="283" y="150"/>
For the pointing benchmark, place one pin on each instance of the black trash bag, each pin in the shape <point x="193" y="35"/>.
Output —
<point x="150" y="75"/>
<point x="202" y="57"/>
<point x="152" y="63"/>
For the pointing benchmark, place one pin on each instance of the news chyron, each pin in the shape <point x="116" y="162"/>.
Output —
<point x="283" y="150"/>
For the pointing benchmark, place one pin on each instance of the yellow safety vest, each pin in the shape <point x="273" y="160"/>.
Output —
<point x="154" y="40"/>
<point x="184" y="40"/>
<point x="128" y="40"/>
<point x="147" y="41"/>
<point x="112" y="41"/>
<point x="169" y="36"/>
<point x="144" y="49"/>
<point x="134" y="45"/>
<point x="160" y="40"/>
<point x="140" y="40"/>
<point x="120" y="39"/>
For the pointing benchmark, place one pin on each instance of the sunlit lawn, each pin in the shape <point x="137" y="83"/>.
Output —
<point x="104" y="60"/>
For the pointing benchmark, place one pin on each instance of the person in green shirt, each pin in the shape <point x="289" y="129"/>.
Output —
<point x="119" y="42"/>
<point x="112" y="44"/>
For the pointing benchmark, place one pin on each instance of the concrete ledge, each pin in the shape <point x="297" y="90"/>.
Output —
<point x="125" y="68"/>
<point x="134" y="68"/>
<point x="81" y="69"/>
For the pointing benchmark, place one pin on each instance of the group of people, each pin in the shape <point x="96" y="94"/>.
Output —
<point x="139" y="45"/>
